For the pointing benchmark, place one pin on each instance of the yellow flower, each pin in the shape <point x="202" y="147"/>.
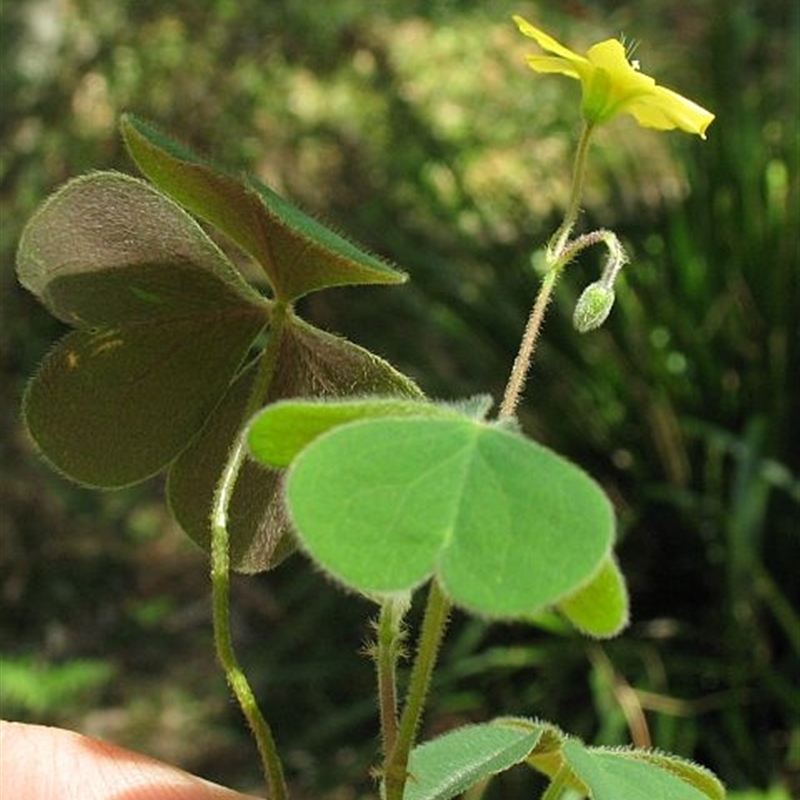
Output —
<point x="612" y="85"/>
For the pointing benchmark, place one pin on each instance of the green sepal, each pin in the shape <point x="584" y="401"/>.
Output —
<point x="298" y="254"/>
<point x="593" y="307"/>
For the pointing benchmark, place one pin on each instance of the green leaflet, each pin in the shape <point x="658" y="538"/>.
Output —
<point x="611" y="774"/>
<point x="698" y="776"/>
<point x="298" y="254"/>
<point x="105" y="223"/>
<point x="600" y="608"/>
<point x="506" y="525"/>
<point x="164" y="322"/>
<point x="279" y="432"/>
<point x="454" y="762"/>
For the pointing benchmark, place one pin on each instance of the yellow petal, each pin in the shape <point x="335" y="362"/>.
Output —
<point x="613" y="82"/>
<point x="664" y="109"/>
<point x="552" y="64"/>
<point x="545" y="41"/>
<point x="610" y="57"/>
<point x="610" y="54"/>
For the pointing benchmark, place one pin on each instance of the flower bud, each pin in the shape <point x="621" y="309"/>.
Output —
<point x="593" y="306"/>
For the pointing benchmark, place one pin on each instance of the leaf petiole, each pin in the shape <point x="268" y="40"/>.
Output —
<point x="220" y="569"/>
<point x="388" y="650"/>
<point x="434" y="623"/>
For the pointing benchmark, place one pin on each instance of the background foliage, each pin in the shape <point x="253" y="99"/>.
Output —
<point x="416" y="128"/>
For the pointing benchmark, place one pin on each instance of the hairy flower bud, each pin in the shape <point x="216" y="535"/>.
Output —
<point x="593" y="306"/>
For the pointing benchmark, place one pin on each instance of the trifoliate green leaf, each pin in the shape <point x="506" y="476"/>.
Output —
<point x="506" y="525"/>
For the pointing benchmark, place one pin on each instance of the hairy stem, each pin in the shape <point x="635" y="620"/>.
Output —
<point x="388" y="648"/>
<point x="220" y="569"/>
<point x="519" y="372"/>
<point x="558" y="256"/>
<point x="434" y="622"/>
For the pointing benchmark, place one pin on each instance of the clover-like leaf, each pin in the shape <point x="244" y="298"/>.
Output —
<point x="310" y="363"/>
<point x="507" y="525"/>
<point x="600" y="608"/>
<point x="152" y="378"/>
<point x="163" y="324"/>
<point x="298" y="254"/>
<point x="610" y="774"/>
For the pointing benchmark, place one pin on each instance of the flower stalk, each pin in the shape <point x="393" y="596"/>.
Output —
<point x="560" y="251"/>
<point x="558" y="241"/>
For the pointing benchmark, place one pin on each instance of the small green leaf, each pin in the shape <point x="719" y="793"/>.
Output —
<point x="450" y="764"/>
<point x="310" y="362"/>
<point x="279" y="432"/>
<point x="298" y="254"/>
<point x="164" y="322"/>
<point x="600" y="608"/>
<point x="507" y="525"/>
<point x="611" y="774"/>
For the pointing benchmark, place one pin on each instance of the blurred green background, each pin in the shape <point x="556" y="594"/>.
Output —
<point x="416" y="128"/>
